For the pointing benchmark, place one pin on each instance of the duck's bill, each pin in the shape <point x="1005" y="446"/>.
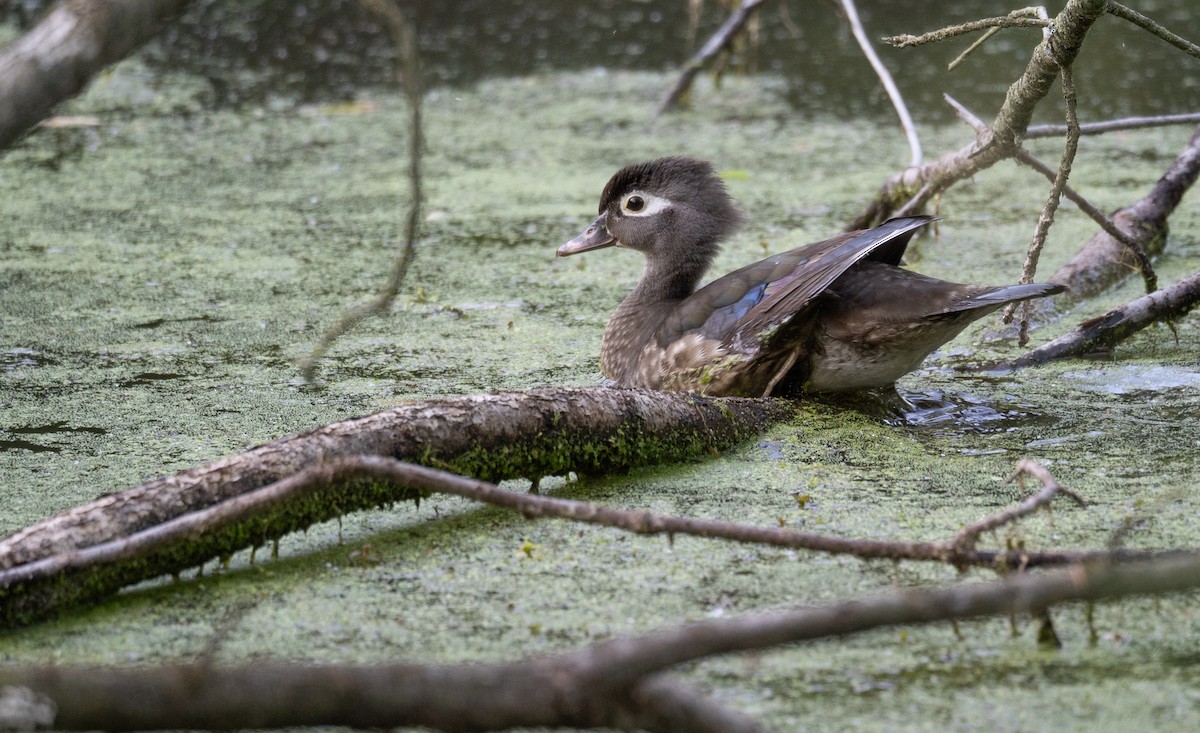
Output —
<point x="595" y="236"/>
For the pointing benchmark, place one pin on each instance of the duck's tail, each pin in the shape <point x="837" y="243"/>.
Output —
<point x="993" y="298"/>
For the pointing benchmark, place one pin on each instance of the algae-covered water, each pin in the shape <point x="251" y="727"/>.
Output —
<point x="160" y="274"/>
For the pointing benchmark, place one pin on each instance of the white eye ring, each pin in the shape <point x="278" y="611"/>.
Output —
<point x="639" y="203"/>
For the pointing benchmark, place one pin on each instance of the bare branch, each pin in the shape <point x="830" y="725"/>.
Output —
<point x="1114" y="326"/>
<point x="404" y="38"/>
<point x="1054" y="52"/>
<point x="968" y="536"/>
<point x="1046" y="218"/>
<point x="1153" y="28"/>
<point x="1038" y="12"/>
<point x="1105" y="260"/>
<point x="1025" y="157"/>
<point x="717" y="43"/>
<point x="907" y="40"/>
<point x="960" y="110"/>
<point x="589" y="687"/>
<point x="1125" y="123"/>
<point x="885" y="78"/>
<point x="388" y="472"/>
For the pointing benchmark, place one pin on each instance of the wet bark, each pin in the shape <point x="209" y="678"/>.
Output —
<point x="1100" y="334"/>
<point x="490" y="437"/>
<point x="57" y="58"/>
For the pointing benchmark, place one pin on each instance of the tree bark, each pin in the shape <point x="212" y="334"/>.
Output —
<point x="1110" y="329"/>
<point x="490" y="437"/>
<point x="57" y="58"/>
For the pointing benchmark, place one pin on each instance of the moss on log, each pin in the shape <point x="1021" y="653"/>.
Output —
<point x="489" y="437"/>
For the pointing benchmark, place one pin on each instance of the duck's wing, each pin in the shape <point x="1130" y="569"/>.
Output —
<point x="757" y="297"/>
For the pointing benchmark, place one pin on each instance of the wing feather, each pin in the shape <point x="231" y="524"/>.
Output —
<point x="757" y="297"/>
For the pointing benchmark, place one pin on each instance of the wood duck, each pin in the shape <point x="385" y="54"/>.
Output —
<point x="833" y="316"/>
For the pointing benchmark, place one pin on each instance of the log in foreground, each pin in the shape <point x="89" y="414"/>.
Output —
<point x="490" y="437"/>
<point x="596" y="686"/>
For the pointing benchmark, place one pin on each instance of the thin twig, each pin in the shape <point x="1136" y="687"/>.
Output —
<point x="404" y="38"/>
<point x="906" y="40"/>
<point x="1046" y="218"/>
<point x="1125" y="123"/>
<point x="1035" y="12"/>
<point x="410" y="476"/>
<point x="979" y="126"/>
<point x="885" y="78"/>
<point x="715" y="44"/>
<point x="1139" y="252"/>
<point x="968" y="536"/>
<point x="971" y="49"/>
<point x="1150" y="26"/>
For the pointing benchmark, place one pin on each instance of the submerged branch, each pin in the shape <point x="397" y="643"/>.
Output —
<point x="1110" y="329"/>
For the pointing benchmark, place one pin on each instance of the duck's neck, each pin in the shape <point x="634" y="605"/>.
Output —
<point x="663" y="286"/>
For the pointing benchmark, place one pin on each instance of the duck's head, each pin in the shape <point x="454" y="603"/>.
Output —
<point x="674" y="210"/>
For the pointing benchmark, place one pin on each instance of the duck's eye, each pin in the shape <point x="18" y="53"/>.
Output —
<point x="635" y="204"/>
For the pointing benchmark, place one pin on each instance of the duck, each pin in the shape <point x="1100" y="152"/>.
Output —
<point x="840" y="315"/>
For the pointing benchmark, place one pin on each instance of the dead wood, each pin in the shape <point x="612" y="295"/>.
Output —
<point x="603" y="685"/>
<point x="1103" y="332"/>
<point x="491" y="437"/>
<point x="719" y="42"/>
<point x="33" y="590"/>
<point x="908" y="192"/>
<point x="1104" y="261"/>
<point x="968" y="536"/>
<point x="57" y="58"/>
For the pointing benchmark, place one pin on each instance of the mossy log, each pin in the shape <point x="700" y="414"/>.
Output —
<point x="490" y="437"/>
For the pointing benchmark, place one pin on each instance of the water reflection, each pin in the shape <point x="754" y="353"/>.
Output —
<point x="942" y="414"/>
<point x="331" y="49"/>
